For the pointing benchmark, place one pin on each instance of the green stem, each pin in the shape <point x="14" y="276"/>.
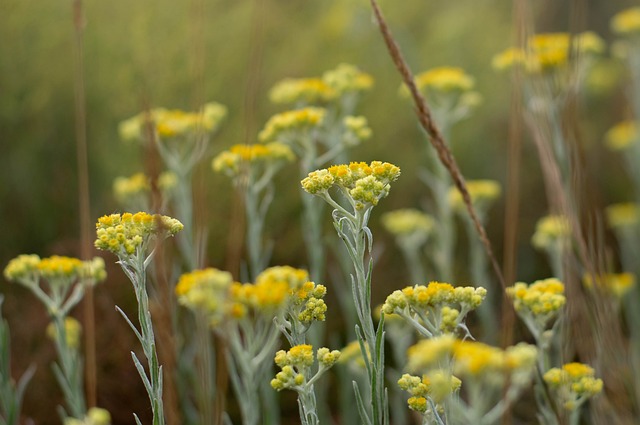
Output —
<point x="69" y="370"/>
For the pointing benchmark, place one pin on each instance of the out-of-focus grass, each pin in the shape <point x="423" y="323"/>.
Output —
<point x="142" y="54"/>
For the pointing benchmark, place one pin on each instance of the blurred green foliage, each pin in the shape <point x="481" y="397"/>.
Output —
<point x="180" y="54"/>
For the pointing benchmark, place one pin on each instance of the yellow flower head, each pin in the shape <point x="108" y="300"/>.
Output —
<point x="541" y="300"/>
<point x="301" y="91"/>
<point x="365" y="183"/>
<point x="93" y="271"/>
<point x="622" y="136"/>
<point x="356" y="130"/>
<point x="550" y="231"/>
<point x="58" y="268"/>
<point x="173" y="123"/>
<point x="618" y="284"/>
<point x="125" y="188"/>
<point x="346" y="78"/>
<point x="623" y="216"/>
<point x="72" y="332"/>
<point x="444" y="79"/>
<point x="124" y="233"/>
<point x="205" y="291"/>
<point x="328" y="358"/>
<point x="508" y="59"/>
<point x="290" y="123"/>
<point x="23" y="268"/>
<point x="573" y="384"/>
<point x="482" y="192"/>
<point x="352" y="355"/>
<point x="430" y="353"/>
<point x="407" y="222"/>
<point x="270" y="154"/>
<point x="627" y="22"/>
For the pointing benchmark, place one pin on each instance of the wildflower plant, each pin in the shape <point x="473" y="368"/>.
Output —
<point x="362" y="186"/>
<point x="492" y="379"/>
<point x="94" y="416"/>
<point x="59" y="282"/>
<point x="133" y="238"/>
<point x="572" y="385"/>
<point x="251" y="169"/>
<point x="11" y="392"/>
<point x="182" y="139"/>
<point x="553" y="236"/>
<point x="133" y="192"/>
<point x="297" y="374"/>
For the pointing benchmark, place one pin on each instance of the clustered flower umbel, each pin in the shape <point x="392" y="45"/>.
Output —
<point x="168" y="123"/>
<point x="622" y="136"/>
<point x="436" y="308"/>
<point x="296" y="364"/>
<point x="58" y="271"/>
<point x="363" y="184"/>
<point x="549" y="51"/>
<point x="126" y="188"/>
<point x="482" y="193"/>
<point x="214" y="293"/>
<point x="616" y="284"/>
<point x="627" y="22"/>
<point x="123" y="234"/>
<point x="281" y="126"/>
<point x="623" y="216"/>
<point x="335" y="83"/>
<point x="552" y="230"/>
<point x="230" y="162"/>
<point x="437" y="385"/>
<point x="473" y="362"/>
<point x="408" y="222"/>
<point x="573" y="384"/>
<point x="538" y="304"/>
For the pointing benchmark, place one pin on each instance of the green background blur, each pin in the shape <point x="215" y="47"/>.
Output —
<point x="179" y="54"/>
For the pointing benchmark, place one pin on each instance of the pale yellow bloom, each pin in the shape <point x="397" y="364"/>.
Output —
<point x="482" y="193"/>
<point x="550" y="231"/>
<point x="72" y="332"/>
<point x="618" y="284"/>
<point x="622" y="135"/>
<point x="301" y="90"/>
<point x="623" y="215"/>
<point x="627" y="22"/>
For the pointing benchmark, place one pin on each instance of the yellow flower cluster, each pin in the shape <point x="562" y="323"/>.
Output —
<point x="623" y="215"/>
<point x="364" y="183"/>
<point x="307" y="304"/>
<point x="124" y="233"/>
<point x="407" y="222"/>
<point x="57" y="270"/>
<point x="95" y="416"/>
<point x="290" y="121"/>
<point x="617" y="284"/>
<point x="438" y="385"/>
<point x="472" y="358"/>
<point x="173" y="123"/>
<point x="543" y="299"/>
<point x="351" y="355"/>
<point x="550" y="231"/>
<point x="297" y="361"/>
<point x="434" y="295"/>
<point x="72" y="332"/>
<point x="205" y="291"/>
<point x="627" y="22"/>
<point x="482" y="193"/>
<point x="574" y="383"/>
<point x="302" y="91"/>
<point x="357" y="130"/>
<point x="549" y="51"/>
<point x="126" y="188"/>
<point x="622" y="135"/>
<point x="443" y="79"/>
<point x="230" y="161"/>
<point x="347" y="78"/>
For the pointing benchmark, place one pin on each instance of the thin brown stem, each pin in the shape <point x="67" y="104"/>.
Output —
<point x="83" y="202"/>
<point x="435" y="135"/>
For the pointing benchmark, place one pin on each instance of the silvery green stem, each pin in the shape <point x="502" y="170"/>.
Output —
<point x="353" y="230"/>
<point x="135" y="269"/>
<point x="68" y="370"/>
<point x="11" y="393"/>
<point x="206" y="370"/>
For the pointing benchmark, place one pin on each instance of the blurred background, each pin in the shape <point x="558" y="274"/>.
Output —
<point x="172" y="54"/>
